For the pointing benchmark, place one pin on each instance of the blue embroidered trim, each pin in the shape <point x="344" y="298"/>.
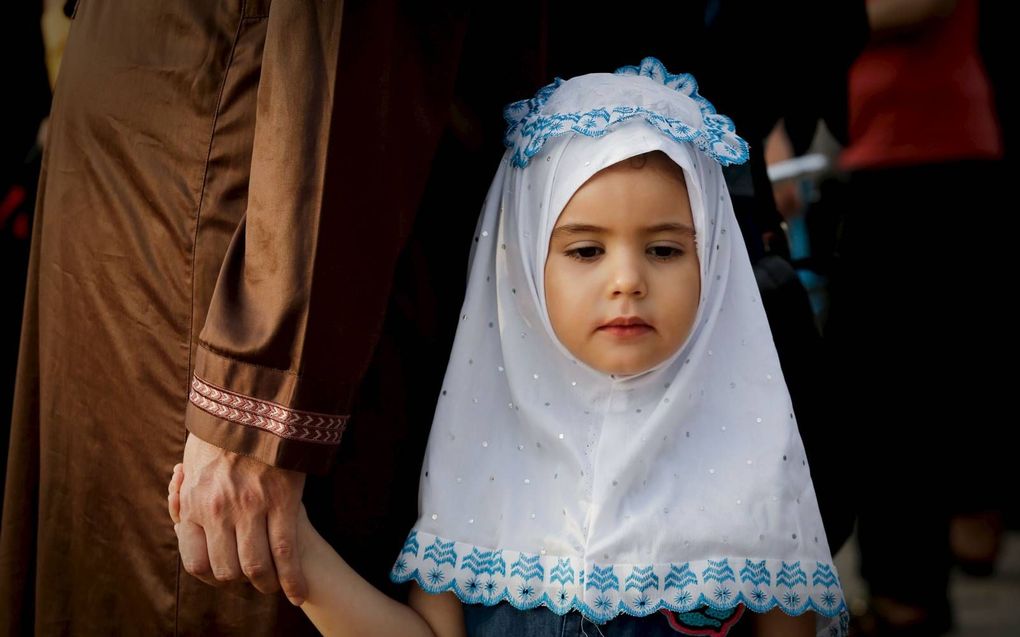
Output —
<point x="642" y="578"/>
<point x="480" y="577"/>
<point x="528" y="127"/>
<point x="680" y="576"/>
<point x="755" y="572"/>
<point x="791" y="575"/>
<point x="527" y="567"/>
<point x="719" y="571"/>
<point x="411" y="544"/>
<point x="487" y="562"/>
<point x="441" y="553"/>
<point x="562" y="572"/>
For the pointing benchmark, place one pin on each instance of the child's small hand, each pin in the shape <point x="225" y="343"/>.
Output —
<point x="173" y="499"/>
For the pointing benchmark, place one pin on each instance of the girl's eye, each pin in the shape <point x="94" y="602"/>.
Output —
<point x="585" y="253"/>
<point x="665" y="252"/>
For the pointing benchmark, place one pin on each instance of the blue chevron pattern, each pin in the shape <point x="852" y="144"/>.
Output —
<point x="719" y="571"/>
<point x="441" y="553"/>
<point x="642" y="578"/>
<point x="411" y="544"/>
<point x="562" y="572"/>
<point x="527" y="567"/>
<point x="680" y="576"/>
<point x="602" y="579"/>
<point x="824" y="576"/>
<point x="756" y="573"/>
<point x="488" y="562"/>
<point x="791" y="575"/>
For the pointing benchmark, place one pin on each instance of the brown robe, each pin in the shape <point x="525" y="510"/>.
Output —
<point x="224" y="196"/>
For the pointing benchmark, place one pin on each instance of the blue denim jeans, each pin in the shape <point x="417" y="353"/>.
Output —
<point x="503" y="620"/>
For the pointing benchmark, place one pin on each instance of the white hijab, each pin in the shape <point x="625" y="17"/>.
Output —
<point x="547" y="482"/>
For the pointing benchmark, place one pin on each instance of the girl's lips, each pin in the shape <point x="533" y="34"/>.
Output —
<point x="626" y="321"/>
<point x="626" y="331"/>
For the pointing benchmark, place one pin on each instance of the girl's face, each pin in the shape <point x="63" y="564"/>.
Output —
<point x="622" y="279"/>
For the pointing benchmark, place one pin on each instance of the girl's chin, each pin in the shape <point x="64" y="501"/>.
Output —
<point x="629" y="367"/>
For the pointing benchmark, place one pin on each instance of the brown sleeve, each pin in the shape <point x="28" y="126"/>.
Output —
<point x="346" y="128"/>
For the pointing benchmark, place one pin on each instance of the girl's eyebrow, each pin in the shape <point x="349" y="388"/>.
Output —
<point x="584" y="228"/>
<point x="578" y="228"/>
<point x="682" y="228"/>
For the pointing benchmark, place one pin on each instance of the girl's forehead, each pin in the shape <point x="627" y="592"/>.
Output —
<point x="630" y="195"/>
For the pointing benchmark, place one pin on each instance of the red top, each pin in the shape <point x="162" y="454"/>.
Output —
<point x="923" y="99"/>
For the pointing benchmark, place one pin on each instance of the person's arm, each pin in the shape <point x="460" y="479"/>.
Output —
<point x="787" y="192"/>
<point x="340" y="602"/>
<point x="345" y="131"/>
<point x="892" y="18"/>
<point x="257" y="407"/>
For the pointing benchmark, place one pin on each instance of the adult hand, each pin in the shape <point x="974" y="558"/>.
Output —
<point x="239" y="518"/>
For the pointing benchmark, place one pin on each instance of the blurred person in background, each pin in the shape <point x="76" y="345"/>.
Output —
<point x="916" y="307"/>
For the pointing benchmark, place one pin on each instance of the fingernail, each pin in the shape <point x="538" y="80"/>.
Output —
<point x="297" y="601"/>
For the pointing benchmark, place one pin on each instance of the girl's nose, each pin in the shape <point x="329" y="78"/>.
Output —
<point x="628" y="280"/>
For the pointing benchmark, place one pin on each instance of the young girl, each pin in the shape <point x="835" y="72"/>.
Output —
<point x="614" y="445"/>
